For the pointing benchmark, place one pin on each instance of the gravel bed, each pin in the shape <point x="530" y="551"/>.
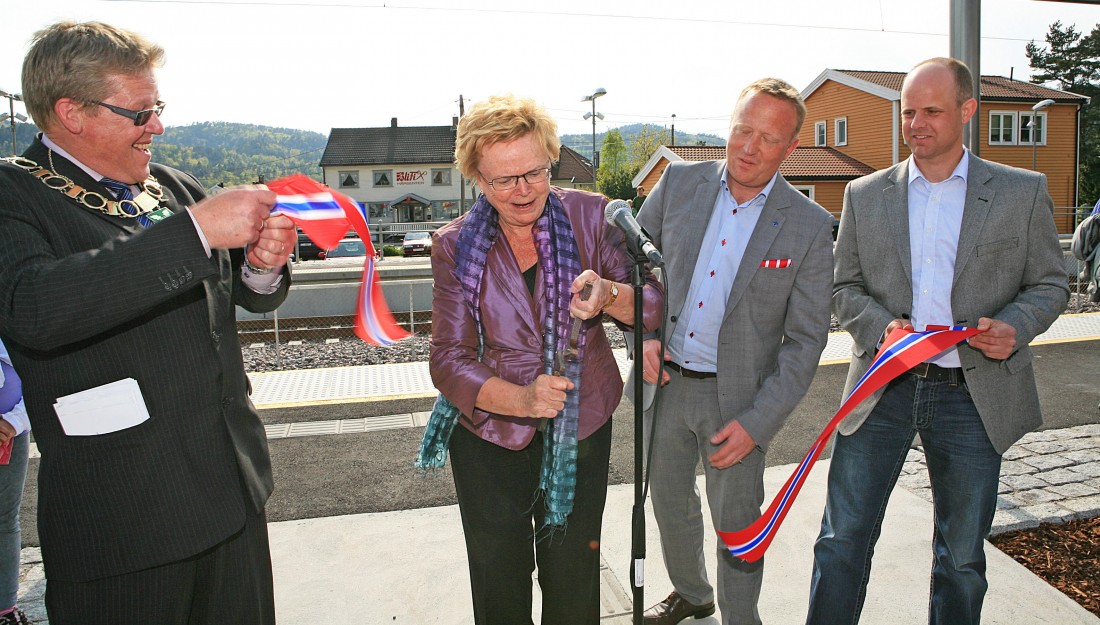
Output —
<point x="351" y="352"/>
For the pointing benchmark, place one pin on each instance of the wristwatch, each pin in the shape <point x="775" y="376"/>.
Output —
<point x="614" y="296"/>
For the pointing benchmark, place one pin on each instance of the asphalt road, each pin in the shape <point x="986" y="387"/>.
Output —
<point x="323" y="476"/>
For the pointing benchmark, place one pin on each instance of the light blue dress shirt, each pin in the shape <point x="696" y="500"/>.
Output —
<point x="935" y="219"/>
<point x="694" y="342"/>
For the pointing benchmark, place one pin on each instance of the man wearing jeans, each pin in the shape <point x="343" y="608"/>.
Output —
<point x="943" y="238"/>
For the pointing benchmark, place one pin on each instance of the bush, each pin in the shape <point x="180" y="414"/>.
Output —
<point x="392" y="250"/>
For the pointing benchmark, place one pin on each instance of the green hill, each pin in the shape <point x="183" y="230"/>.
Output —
<point x="582" y="143"/>
<point x="222" y="152"/>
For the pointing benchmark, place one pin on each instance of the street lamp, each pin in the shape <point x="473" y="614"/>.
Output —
<point x="674" y="130"/>
<point x="1031" y="124"/>
<point x="594" y="116"/>
<point x="12" y="97"/>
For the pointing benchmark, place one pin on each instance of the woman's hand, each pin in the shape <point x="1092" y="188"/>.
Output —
<point x="597" y="297"/>
<point x="545" y="397"/>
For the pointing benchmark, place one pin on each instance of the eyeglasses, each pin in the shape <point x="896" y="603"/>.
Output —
<point x="535" y="176"/>
<point x="140" y="117"/>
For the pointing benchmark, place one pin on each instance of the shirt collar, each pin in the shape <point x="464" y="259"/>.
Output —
<point x="56" y="148"/>
<point x="763" y="195"/>
<point x="962" y="170"/>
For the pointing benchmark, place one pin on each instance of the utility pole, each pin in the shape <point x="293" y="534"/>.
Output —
<point x="462" y="179"/>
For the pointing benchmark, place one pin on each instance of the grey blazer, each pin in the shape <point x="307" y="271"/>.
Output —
<point x="777" y="320"/>
<point x="1008" y="267"/>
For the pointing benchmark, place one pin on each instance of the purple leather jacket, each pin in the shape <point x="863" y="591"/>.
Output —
<point x="512" y="322"/>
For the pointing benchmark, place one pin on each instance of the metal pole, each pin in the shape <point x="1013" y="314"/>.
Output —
<point x="593" y="143"/>
<point x="965" y="32"/>
<point x="278" y="354"/>
<point x="11" y="107"/>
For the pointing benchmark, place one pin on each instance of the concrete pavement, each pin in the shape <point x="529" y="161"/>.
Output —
<point x="409" y="566"/>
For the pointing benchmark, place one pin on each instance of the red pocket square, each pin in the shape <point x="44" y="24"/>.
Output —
<point x="776" y="263"/>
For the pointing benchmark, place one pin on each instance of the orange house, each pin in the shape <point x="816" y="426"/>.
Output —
<point x="858" y="113"/>
<point x="819" y="172"/>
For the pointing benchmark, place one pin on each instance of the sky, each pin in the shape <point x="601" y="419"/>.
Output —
<point x="358" y="63"/>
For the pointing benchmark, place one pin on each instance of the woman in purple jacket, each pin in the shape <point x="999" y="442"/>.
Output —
<point x="535" y="395"/>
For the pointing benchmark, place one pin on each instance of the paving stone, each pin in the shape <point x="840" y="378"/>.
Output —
<point x="1005" y="503"/>
<point x="1046" y="463"/>
<point x="1050" y="513"/>
<point x="1079" y="444"/>
<point x="1046" y="447"/>
<point x="1092" y="469"/>
<point x="1039" y="437"/>
<point x="914" y="481"/>
<point x="915" y="455"/>
<point x="1022" y="482"/>
<point x="1011" y="467"/>
<point x="1012" y="520"/>
<point x="1003" y="488"/>
<point x="923" y="493"/>
<point x="1073" y="490"/>
<point x="1025" y="498"/>
<point x="1086" y="507"/>
<point x="1091" y="429"/>
<point x="1016" y="452"/>
<point x="1082" y="456"/>
<point x="1061" y="476"/>
<point x="1095" y="482"/>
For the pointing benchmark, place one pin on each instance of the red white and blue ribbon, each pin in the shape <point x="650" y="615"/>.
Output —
<point x="902" y="350"/>
<point x="326" y="216"/>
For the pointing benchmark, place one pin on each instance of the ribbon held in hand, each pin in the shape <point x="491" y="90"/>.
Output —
<point x="901" y="351"/>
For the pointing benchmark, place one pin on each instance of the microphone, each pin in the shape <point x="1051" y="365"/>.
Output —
<point x="617" y="213"/>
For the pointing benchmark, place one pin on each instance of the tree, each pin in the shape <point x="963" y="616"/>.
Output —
<point x="1071" y="62"/>
<point x="645" y="143"/>
<point x="613" y="176"/>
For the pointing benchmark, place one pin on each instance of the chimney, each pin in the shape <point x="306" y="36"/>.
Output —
<point x="393" y="122"/>
<point x="454" y="121"/>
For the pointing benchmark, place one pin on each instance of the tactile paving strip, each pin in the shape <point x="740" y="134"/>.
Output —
<point x="405" y="380"/>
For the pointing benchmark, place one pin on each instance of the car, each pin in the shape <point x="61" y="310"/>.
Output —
<point x="417" y="243"/>
<point x="347" y="248"/>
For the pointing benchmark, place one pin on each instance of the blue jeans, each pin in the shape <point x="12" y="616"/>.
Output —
<point x="963" y="467"/>
<point x="12" y="477"/>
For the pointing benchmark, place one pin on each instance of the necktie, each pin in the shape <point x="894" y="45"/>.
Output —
<point x="122" y="191"/>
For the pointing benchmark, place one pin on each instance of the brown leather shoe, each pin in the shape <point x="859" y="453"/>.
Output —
<point x="675" y="609"/>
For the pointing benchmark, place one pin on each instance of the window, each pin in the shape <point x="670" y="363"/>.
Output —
<point x="441" y="177"/>
<point x="1026" y="130"/>
<point x="840" y="131"/>
<point x="378" y="209"/>
<point x="349" y="180"/>
<point x="383" y="177"/>
<point x="819" y="133"/>
<point x="1002" y="128"/>
<point x="805" y="189"/>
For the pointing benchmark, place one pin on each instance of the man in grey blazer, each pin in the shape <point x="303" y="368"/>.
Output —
<point x="748" y="260"/>
<point x="944" y="238"/>
<point x="151" y="498"/>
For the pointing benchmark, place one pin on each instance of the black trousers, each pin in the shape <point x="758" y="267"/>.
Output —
<point x="496" y="490"/>
<point x="228" y="583"/>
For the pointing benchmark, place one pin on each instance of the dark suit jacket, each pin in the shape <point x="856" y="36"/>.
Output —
<point x="513" y="325"/>
<point x="1008" y="267"/>
<point x="87" y="299"/>
<point x="777" y="320"/>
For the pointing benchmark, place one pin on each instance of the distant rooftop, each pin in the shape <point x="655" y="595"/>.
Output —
<point x="392" y="145"/>
<point x="994" y="88"/>
<point x="572" y="166"/>
<point x="805" y="162"/>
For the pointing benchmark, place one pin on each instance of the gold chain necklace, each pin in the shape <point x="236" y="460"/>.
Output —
<point x="146" y="202"/>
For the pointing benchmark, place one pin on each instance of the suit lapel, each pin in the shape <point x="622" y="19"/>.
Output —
<point x="697" y="218"/>
<point x="895" y="200"/>
<point x="763" y="235"/>
<point x="979" y="200"/>
<point x="39" y="153"/>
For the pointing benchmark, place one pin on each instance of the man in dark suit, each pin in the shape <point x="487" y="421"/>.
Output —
<point x="943" y="238"/>
<point x="749" y="263"/>
<point x="151" y="495"/>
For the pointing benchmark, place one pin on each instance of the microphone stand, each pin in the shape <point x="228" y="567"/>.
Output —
<point x="637" y="552"/>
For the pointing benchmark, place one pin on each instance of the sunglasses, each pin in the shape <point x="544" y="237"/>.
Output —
<point x="140" y="117"/>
